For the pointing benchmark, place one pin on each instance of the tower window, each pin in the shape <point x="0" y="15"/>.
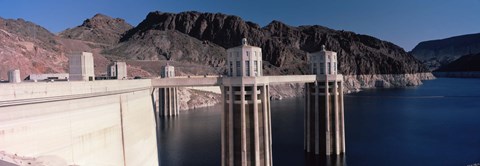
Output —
<point x="329" y="68"/>
<point x="231" y="69"/>
<point x="334" y="66"/>
<point x="255" y="67"/>
<point x="322" y="68"/>
<point x="314" y="68"/>
<point x="239" y="70"/>
<point x="247" y="67"/>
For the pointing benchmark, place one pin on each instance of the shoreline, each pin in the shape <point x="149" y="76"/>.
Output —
<point x="200" y="97"/>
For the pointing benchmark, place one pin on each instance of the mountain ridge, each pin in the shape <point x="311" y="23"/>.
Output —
<point x="99" y="29"/>
<point x="436" y="53"/>
<point x="466" y="63"/>
<point x="285" y="46"/>
<point x="197" y="42"/>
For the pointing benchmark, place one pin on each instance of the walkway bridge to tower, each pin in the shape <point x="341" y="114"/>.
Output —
<point x="218" y="81"/>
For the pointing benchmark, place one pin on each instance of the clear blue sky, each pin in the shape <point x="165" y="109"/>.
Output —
<point x="403" y="22"/>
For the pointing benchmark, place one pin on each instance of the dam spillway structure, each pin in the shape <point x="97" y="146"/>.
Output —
<point x="324" y="109"/>
<point x="246" y="125"/>
<point x="167" y="96"/>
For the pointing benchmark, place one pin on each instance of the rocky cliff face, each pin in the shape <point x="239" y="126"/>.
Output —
<point x="98" y="29"/>
<point x="284" y="47"/>
<point x="30" y="31"/>
<point x="437" y="53"/>
<point x="154" y="45"/>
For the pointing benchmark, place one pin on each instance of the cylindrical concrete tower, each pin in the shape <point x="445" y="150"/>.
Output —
<point x="14" y="76"/>
<point x="246" y="131"/>
<point x="167" y="97"/>
<point x="324" y="121"/>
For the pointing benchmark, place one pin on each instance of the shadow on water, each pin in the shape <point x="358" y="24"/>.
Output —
<point x="191" y="138"/>
<point x="163" y="125"/>
<point x="288" y="136"/>
<point x="316" y="160"/>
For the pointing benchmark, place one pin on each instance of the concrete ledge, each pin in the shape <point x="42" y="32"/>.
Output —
<point x="32" y="90"/>
<point x="184" y="82"/>
<point x="217" y="81"/>
<point x="66" y="97"/>
<point x="292" y="79"/>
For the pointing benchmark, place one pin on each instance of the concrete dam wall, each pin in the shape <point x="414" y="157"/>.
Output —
<point x="78" y="123"/>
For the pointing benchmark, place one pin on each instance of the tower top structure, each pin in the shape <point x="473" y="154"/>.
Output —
<point x="244" y="60"/>
<point x="168" y="71"/>
<point x="323" y="62"/>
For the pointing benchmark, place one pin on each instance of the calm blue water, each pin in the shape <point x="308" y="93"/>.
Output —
<point x="437" y="123"/>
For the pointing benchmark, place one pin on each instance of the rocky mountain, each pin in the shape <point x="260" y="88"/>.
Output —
<point x="196" y="42"/>
<point x="26" y="29"/>
<point x="29" y="47"/>
<point x="154" y="45"/>
<point x="98" y="29"/>
<point x="284" y="47"/>
<point x="466" y="63"/>
<point x="436" y="53"/>
<point x="33" y="49"/>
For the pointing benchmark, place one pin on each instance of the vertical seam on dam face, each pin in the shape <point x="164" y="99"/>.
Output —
<point x="121" y="128"/>
<point x="156" y="108"/>
<point x="71" y="135"/>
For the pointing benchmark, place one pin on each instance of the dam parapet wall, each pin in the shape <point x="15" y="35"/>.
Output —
<point x="80" y="122"/>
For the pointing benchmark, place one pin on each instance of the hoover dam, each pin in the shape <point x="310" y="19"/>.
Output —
<point x="85" y="121"/>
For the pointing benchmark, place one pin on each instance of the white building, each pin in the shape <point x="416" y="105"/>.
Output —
<point x="81" y="67"/>
<point x="14" y="76"/>
<point x="118" y="70"/>
<point x="244" y="61"/>
<point x="49" y="76"/>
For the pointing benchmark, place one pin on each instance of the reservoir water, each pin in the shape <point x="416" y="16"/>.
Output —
<point x="437" y="123"/>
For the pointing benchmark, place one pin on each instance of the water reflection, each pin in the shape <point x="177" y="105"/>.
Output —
<point x="317" y="160"/>
<point x="168" y="123"/>
<point x="407" y="131"/>
<point x="191" y="138"/>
